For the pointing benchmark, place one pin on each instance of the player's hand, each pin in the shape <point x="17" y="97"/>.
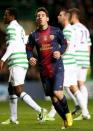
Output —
<point x="33" y="61"/>
<point x="1" y="64"/>
<point x="56" y="54"/>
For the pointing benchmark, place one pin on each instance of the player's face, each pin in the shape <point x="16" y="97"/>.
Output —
<point x="42" y="19"/>
<point x="7" y="17"/>
<point x="61" y="17"/>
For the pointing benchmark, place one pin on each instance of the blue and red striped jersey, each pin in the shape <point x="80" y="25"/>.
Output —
<point x="46" y="42"/>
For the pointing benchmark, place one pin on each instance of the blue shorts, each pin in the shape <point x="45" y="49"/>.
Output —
<point x="53" y="84"/>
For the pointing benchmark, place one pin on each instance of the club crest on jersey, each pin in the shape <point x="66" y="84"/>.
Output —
<point x="52" y="37"/>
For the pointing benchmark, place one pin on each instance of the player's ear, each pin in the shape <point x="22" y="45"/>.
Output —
<point x="47" y="19"/>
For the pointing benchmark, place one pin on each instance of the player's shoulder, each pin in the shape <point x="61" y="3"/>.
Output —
<point x="84" y="27"/>
<point x="69" y="27"/>
<point x="81" y="25"/>
<point x="54" y="28"/>
<point x="78" y="27"/>
<point x="9" y="26"/>
<point x="14" y="25"/>
<point x="32" y="34"/>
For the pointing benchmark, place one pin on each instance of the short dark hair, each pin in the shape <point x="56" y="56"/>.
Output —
<point x="62" y="9"/>
<point x="42" y="9"/>
<point x="75" y="11"/>
<point x="65" y="11"/>
<point x="13" y="11"/>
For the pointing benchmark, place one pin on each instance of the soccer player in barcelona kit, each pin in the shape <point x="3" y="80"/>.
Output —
<point x="50" y="45"/>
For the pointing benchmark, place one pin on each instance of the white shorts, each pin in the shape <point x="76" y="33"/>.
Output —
<point x="17" y="75"/>
<point x="81" y="73"/>
<point x="70" y="77"/>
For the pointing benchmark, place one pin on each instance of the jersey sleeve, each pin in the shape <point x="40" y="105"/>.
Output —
<point x="10" y="40"/>
<point x="23" y="36"/>
<point x="62" y="41"/>
<point x="8" y="52"/>
<point x="30" y="46"/>
<point x="67" y="33"/>
<point x="11" y="35"/>
<point x="88" y="38"/>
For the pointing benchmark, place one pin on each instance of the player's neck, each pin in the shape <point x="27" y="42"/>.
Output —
<point x="43" y="27"/>
<point x="76" y="21"/>
<point x="66" y="23"/>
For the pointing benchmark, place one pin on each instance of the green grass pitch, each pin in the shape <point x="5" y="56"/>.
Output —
<point x="28" y="119"/>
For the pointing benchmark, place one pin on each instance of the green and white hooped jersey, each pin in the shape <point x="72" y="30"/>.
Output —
<point x="16" y="50"/>
<point x="83" y="43"/>
<point x="18" y="59"/>
<point x="69" y="55"/>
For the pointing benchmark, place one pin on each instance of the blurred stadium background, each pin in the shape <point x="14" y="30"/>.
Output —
<point x="26" y="9"/>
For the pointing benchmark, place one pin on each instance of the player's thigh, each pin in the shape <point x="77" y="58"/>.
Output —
<point x="47" y="85"/>
<point x="58" y="80"/>
<point x="82" y="74"/>
<point x="70" y="77"/>
<point x="17" y="75"/>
